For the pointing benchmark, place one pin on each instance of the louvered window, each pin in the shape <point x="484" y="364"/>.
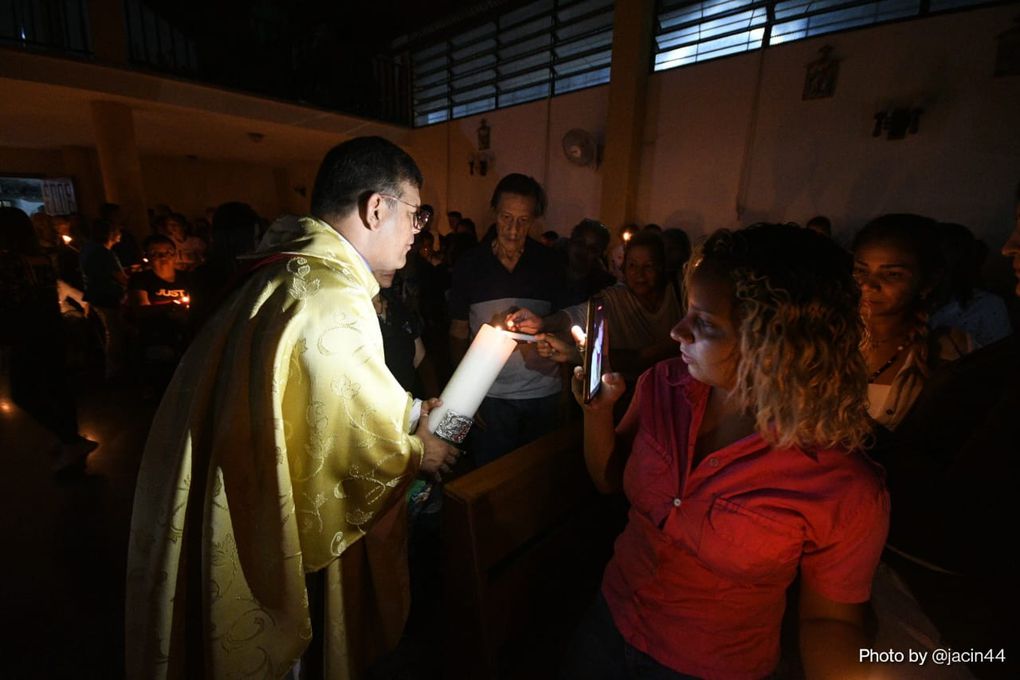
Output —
<point x="689" y="32"/>
<point x="544" y="48"/>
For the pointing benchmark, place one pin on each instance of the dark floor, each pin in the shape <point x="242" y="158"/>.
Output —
<point x="62" y="584"/>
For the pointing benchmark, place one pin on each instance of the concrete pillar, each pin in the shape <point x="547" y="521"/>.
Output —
<point x="82" y="166"/>
<point x="632" y="45"/>
<point x="119" y="162"/>
<point x="109" y="31"/>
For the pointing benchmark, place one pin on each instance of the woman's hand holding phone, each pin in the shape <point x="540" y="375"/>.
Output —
<point x="613" y="384"/>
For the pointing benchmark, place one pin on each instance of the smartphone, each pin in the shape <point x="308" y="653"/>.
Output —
<point x="595" y="333"/>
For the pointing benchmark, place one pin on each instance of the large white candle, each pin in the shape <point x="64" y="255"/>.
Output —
<point x="470" y="383"/>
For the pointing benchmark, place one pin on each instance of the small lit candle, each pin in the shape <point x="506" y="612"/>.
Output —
<point x="470" y="383"/>
<point x="67" y="239"/>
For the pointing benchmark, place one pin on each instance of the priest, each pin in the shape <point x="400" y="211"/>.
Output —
<point x="266" y="533"/>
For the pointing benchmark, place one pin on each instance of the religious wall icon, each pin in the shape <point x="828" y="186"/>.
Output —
<point x="483" y="135"/>
<point x="482" y="159"/>
<point x="820" y="79"/>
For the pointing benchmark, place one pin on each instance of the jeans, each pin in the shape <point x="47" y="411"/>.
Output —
<point x="599" y="652"/>
<point x="510" y="424"/>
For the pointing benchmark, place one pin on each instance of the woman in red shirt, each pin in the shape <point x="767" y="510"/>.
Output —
<point x="741" y="460"/>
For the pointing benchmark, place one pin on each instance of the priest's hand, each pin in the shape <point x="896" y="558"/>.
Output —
<point x="440" y="456"/>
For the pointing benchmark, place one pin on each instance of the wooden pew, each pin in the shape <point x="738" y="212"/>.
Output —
<point x="525" y="541"/>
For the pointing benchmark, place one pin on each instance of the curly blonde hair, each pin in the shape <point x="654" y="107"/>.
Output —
<point x="800" y="372"/>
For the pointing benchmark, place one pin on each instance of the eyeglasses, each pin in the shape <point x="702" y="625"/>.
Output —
<point x="422" y="214"/>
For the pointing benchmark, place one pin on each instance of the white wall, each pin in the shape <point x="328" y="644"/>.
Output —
<point x="806" y="157"/>
<point x="191" y="186"/>
<point x="524" y="138"/>
<point x="818" y="156"/>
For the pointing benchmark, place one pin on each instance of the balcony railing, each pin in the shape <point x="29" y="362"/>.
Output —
<point x="59" y="25"/>
<point x="270" y="63"/>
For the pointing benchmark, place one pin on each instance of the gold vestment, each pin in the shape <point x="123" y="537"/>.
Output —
<point x="280" y="442"/>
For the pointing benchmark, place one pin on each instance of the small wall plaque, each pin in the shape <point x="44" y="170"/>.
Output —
<point x="821" y="76"/>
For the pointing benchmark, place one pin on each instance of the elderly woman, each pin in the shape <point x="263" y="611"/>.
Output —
<point x="741" y="461"/>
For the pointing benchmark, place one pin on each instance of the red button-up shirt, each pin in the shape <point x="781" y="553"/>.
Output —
<point x="699" y="575"/>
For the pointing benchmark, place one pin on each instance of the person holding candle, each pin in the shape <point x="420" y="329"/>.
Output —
<point x="32" y="328"/>
<point x="509" y="271"/>
<point x="159" y="298"/>
<point x="162" y="283"/>
<point x="640" y="311"/>
<point x="269" y="519"/>
<point x="741" y="460"/>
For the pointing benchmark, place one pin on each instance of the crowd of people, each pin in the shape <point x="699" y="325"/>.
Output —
<point x="774" y="408"/>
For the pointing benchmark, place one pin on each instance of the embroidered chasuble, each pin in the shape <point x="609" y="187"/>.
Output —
<point x="280" y="449"/>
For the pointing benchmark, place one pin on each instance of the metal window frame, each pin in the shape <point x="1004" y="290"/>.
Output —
<point x="153" y="42"/>
<point x="447" y="89"/>
<point x="669" y="7"/>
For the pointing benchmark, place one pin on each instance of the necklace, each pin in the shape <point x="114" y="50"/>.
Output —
<point x="882" y="369"/>
<point x="874" y="344"/>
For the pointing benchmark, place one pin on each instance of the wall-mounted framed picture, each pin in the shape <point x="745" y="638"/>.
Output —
<point x="821" y="76"/>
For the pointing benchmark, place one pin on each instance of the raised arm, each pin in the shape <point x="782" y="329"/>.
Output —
<point x="605" y="449"/>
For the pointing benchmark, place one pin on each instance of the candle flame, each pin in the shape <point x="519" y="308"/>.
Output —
<point x="66" y="238"/>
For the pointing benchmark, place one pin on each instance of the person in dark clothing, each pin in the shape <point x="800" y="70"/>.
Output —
<point x="105" y="282"/>
<point x="492" y="281"/>
<point x="32" y="328"/>
<point x="401" y="332"/>
<point x="126" y="248"/>
<point x="161" y="284"/>
<point x="235" y="228"/>
<point x="159" y="301"/>
<point x="586" y="270"/>
<point x="953" y="473"/>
